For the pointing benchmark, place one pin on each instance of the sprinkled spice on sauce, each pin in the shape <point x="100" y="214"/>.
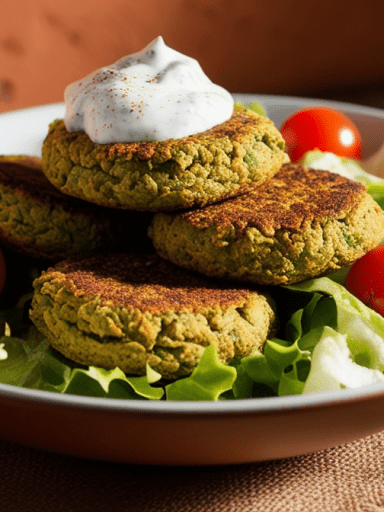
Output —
<point x="124" y="102"/>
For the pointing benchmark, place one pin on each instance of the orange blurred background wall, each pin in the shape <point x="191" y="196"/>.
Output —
<point x="275" y="47"/>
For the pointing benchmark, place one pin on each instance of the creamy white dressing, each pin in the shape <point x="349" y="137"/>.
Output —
<point x="155" y="94"/>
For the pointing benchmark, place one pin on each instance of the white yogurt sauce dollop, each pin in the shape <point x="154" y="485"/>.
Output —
<point x="155" y="94"/>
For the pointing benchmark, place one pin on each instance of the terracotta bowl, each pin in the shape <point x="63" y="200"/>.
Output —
<point x="188" y="433"/>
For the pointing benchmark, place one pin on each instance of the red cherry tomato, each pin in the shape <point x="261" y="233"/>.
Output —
<point x="321" y="128"/>
<point x="365" y="279"/>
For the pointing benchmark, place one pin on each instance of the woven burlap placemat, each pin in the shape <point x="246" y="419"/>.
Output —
<point x="341" y="479"/>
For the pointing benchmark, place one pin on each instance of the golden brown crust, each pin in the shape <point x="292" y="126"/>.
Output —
<point x="293" y="197"/>
<point x="169" y="175"/>
<point x="301" y="224"/>
<point x="130" y="311"/>
<point x="147" y="283"/>
<point x="238" y="126"/>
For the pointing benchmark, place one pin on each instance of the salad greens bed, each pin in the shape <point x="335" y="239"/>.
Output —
<point x="328" y="340"/>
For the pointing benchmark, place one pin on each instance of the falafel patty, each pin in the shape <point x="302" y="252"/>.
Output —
<point x="39" y="221"/>
<point x="301" y="224"/>
<point x="168" y="175"/>
<point x="128" y="310"/>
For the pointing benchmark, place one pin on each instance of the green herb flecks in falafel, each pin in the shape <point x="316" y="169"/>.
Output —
<point x="169" y="175"/>
<point x="301" y="224"/>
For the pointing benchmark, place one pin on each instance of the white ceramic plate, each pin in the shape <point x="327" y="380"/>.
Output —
<point x="188" y="433"/>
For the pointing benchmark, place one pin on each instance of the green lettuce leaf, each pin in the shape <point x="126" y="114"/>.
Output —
<point x="353" y="317"/>
<point x="319" y="318"/>
<point x="356" y="330"/>
<point x="336" y="365"/>
<point x="284" y="364"/>
<point x="208" y="381"/>
<point x="329" y="316"/>
<point x="113" y="384"/>
<point x="347" y="167"/>
<point x="29" y="364"/>
<point x="29" y="361"/>
<point x="277" y="368"/>
<point x="376" y="190"/>
<point x="255" y="106"/>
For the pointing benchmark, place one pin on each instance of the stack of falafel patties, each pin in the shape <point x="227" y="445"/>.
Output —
<point x="229" y="215"/>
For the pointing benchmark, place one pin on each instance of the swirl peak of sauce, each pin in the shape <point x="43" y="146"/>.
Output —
<point x="155" y="94"/>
